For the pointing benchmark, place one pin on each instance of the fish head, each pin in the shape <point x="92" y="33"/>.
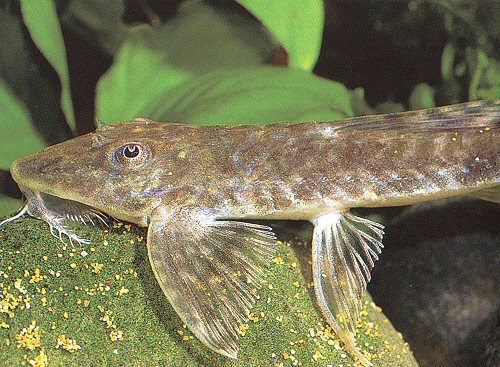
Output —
<point x="118" y="169"/>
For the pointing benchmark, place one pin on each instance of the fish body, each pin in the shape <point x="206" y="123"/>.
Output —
<point x="192" y="186"/>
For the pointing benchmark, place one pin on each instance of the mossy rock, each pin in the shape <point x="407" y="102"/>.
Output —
<point x="99" y="305"/>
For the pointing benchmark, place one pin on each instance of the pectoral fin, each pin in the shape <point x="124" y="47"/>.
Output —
<point x="345" y="248"/>
<point x="208" y="270"/>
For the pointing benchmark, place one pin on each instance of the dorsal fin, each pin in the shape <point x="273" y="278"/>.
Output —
<point x="100" y="126"/>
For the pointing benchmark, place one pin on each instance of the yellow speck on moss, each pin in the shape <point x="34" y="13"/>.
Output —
<point x="108" y="320"/>
<point x="96" y="268"/>
<point x="115" y="335"/>
<point x="29" y="338"/>
<point x="243" y="329"/>
<point x="36" y="277"/>
<point x="40" y="360"/>
<point x="8" y="304"/>
<point x="317" y="355"/>
<point x="253" y="317"/>
<point x="19" y="287"/>
<point x="278" y="260"/>
<point x="67" y="344"/>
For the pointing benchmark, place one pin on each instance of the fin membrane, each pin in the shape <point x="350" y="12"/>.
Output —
<point x="208" y="270"/>
<point x="345" y="248"/>
<point x="491" y="194"/>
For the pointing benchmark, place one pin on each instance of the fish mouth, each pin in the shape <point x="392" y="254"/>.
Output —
<point x="38" y="179"/>
<point x="40" y="193"/>
<point x="52" y="208"/>
<point x="59" y="214"/>
<point x="49" y="201"/>
<point x="48" y="173"/>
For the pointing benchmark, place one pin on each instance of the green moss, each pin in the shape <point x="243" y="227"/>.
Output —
<point x="109" y="304"/>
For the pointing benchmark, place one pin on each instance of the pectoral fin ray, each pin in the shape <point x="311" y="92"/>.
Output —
<point x="208" y="270"/>
<point x="345" y="248"/>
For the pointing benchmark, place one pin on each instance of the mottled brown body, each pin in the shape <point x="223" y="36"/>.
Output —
<point x="282" y="171"/>
<point x="191" y="184"/>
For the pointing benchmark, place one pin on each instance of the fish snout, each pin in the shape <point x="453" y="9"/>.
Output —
<point x="42" y="168"/>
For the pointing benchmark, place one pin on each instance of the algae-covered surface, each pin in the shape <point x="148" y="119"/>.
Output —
<point x="99" y="305"/>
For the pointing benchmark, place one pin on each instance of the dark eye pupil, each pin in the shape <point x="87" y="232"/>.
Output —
<point x="131" y="151"/>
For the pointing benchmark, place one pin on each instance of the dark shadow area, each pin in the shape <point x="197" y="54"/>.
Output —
<point x="438" y="280"/>
<point x="8" y="186"/>
<point x="368" y="44"/>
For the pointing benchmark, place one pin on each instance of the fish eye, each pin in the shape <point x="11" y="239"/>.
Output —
<point x="131" y="151"/>
<point x="132" y="154"/>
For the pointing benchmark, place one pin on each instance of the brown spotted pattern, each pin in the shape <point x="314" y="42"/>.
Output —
<point x="283" y="171"/>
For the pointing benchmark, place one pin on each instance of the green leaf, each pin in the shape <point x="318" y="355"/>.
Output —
<point x="41" y="20"/>
<point x="257" y="95"/>
<point x="297" y="26"/>
<point x="99" y="22"/>
<point x="9" y="205"/>
<point x="358" y="102"/>
<point x="448" y="61"/>
<point x="422" y="96"/>
<point x="15" y="122"/>
<point x="25" y="73"/>
<point x="489" y="88"/>
<point x="154" y="60"/>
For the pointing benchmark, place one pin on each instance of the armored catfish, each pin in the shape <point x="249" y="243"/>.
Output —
<point x="193" y="186"/>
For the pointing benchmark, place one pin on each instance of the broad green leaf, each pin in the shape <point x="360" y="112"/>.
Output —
<point x="40" y="17"/>
<point x="99" y="22"/>
<point x="137" y="77"/>
<point x="25" y="73"/>
<point x="297" y="26"/>
<point x="257" y="95"/>
<point x="9" y="205"/>
<point x="16" y="129"/>
<point x="154" y="60"/>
